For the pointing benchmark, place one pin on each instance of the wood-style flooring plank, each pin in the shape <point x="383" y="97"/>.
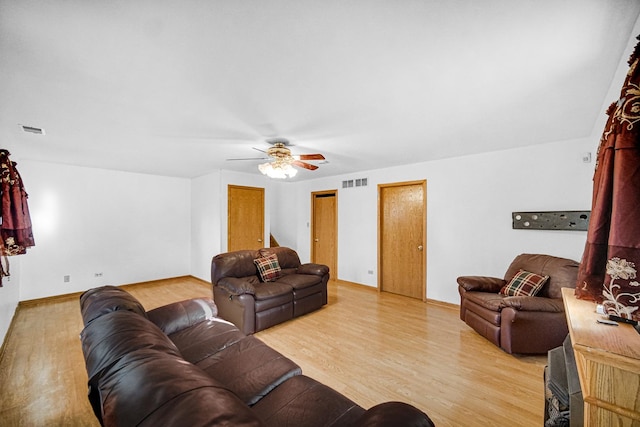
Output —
<point x="372" y="347"/>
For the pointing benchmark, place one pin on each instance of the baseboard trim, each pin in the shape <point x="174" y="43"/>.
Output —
<point x="150" y="283"/>
<point x="8" y="334"/>
<point x="359" y="285"/>
<point x="443" y="304"/>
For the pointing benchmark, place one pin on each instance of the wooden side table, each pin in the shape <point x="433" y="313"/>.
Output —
<point x="608" y="362"/>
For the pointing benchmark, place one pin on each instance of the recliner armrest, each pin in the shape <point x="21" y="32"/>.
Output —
<point x="237" y="285"/>
<point x="526" y="303"/>
<point x="481" y="283"/>
<point x="315" y="269"/>
<point x="180" y="315"/>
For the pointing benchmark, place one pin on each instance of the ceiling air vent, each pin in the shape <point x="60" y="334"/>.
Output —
<point x="31" y="129"/>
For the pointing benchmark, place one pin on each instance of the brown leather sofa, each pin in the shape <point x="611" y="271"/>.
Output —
<point x="252" y="304"/>
<point x="520" y="324"/>
<point x="180" y="365"/>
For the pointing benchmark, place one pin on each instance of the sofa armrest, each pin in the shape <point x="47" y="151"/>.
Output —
<point x="315" y="269"/>
<point x="481" y="283"/>
<point x="393" y="414"/>
<point x="237" y="285"/>
<point x="526" y="303"/>
<point x="180" y="315"/>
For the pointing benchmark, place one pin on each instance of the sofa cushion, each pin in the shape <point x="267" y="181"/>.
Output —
<point x="249" y="368"/>
<point x="265" y="291"/>
<point x="300" y="281"/>
<point x="562" y="272"/>
<point x="179" y="315"/>
<point x="268" y="267"/>
<point x="151" y="388"/>
<point x="108" y="338"/>
<point x="524" y="283"/>
<point x="206" y="338"/>
<point x="301" y="399"/>
<point x="233" y="264"/>
<point x="287" y="257"/>
<point x="106" y="299"/>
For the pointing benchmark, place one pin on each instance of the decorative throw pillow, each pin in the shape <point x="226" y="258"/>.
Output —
<point x="268" y="267"/>
<point x="524" y="283"/>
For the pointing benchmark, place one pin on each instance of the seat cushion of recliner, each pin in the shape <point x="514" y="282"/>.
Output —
<point x="268" y="290"/>
<point x="249" y="368"/>
<point x="300" y="281"/>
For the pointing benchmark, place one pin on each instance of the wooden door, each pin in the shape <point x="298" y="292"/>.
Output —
<point x="324" y="234"/>
<point x="245" y="218"/>
<point x="402" y="238"/>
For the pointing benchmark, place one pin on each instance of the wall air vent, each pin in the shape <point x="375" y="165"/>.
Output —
<point x="360" y="182"/>
<point x="31" y="129"/>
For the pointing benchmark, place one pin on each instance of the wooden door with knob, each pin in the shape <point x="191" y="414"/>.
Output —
<point x="402" y="238"/>
<point x="245" y="218"/>
<point x="324" y="234"/>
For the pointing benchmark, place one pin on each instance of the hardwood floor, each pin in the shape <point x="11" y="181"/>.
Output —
<point x="371" y="347"/>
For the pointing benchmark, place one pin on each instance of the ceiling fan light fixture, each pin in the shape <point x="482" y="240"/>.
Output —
<point x="278" y="170"/>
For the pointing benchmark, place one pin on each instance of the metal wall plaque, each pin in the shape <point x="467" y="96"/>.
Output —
<point x="554" y="220"/>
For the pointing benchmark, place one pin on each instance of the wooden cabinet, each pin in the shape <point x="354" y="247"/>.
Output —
<point x="608" y="361"/>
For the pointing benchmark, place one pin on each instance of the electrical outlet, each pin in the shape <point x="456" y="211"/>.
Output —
<point x="369" y="271"/>
<point x="67" y="278"/>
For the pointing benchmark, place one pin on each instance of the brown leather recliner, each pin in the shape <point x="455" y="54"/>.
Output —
<point x="520" y="324"/>
<point x="252" y="304"/>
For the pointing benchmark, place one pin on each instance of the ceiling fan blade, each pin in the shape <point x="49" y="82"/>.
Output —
<point x="304" y="165"/>
<point x="309" y="157"/>
<point x="258" y="149"/>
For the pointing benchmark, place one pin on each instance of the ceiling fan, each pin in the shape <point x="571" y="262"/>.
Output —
<point x="282" y="161"/>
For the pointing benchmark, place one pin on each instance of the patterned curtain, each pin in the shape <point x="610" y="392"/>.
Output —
<point x="15" y="232"/>
<point x="608" y="270"/>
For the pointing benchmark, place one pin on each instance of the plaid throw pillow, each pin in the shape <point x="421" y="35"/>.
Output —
<point x="268" y="267"/>
<point x="524" y="283"/>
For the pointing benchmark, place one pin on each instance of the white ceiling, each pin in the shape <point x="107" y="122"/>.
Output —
<point x="177" y="87"/>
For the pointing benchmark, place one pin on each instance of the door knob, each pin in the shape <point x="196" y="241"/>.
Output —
<point x="315" y="240"/>
<point x="420" y="248"/>
<point x="259" y="240"/>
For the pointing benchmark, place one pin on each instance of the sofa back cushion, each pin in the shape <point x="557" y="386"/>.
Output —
<point x="240" y="263"/>
<point x="233" y="264"/>
<point x="99" y="301"/>
<point x="287" y="257"/>
<point x="562" y="272"/>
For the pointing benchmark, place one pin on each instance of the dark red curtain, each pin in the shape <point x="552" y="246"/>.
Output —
<point x="608" y="271"/>
<point x="15" y="231"/>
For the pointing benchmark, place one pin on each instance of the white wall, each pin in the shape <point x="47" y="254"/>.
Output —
<point x="9" y="296"/>
<point x="209" y="215"/>
<point x="206" y="231"/>
<point x="129" y="227"/>
<point x="469" y="205"/>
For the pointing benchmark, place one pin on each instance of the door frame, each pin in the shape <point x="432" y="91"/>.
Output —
<point x="422" y="183"/>
<point x="334" y="273"/>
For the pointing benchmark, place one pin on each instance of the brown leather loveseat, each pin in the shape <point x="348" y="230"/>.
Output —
<point x="250" y="302"/>
<point x="520" y="324"/>
<point x="180" y="365"/>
